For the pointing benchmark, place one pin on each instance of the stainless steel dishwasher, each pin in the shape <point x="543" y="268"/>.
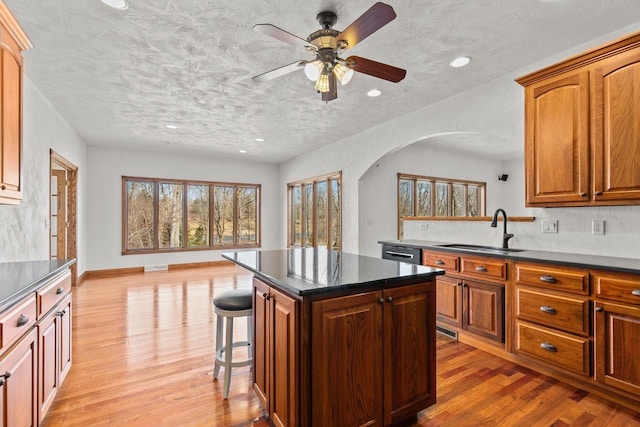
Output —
<point x="401" y="253"/>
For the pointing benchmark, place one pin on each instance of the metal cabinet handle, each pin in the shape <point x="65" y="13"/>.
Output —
<point x="400" y="254"/>
<point x="439" y="262"/>
<point x="61" y="313"/>
<point x="389" y="299"/>
<point x="598" y="193"/>
<point x="546" y="278"/>
<point x="549" y="347"/>
<point x="583" y="194"/>
<point x="481" y="268"/>
<point x="459" y="284"/>
<point x="266" y="295"/>
<point x="548" y="309"/>
<point x="22" y="320"/>
<point x="3" y="187"/>
<point x="380" y="300"/>
<point x="599" y="309"/>
<point x="635" y="292"/>
<point x="59" y="290"/>
<point x="4" y="377"/>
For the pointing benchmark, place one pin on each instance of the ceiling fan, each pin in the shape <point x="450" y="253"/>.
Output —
<point x="328" y="44"/>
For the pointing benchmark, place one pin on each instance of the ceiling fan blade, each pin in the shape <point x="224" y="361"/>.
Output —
<point x="376" y="69"/>
<point x="279" y="72"/>
<point x="282" y="35"/>
<point x="368" y="23"/>
<point x="333" y="89"/>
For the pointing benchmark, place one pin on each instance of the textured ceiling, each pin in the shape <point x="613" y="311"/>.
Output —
<point x="118" y="77"/>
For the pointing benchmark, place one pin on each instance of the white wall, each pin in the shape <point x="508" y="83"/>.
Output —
<point x="24" y="229"/>
<point x="378" y="187"/>
<point x="495" y="108"/>
<point x="104" y="215"/>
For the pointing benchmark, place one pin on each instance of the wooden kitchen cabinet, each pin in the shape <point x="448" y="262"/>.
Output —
<point x="12" y="42"/>
<point x="276" y="341"/>
<point x="18" y="374"/>
<point x="54" y="346"/>
<point x="385" y="337"/>
<point x="581" y="148"/>
<point x="617" y="330"/>
<point x="471" y="296"/>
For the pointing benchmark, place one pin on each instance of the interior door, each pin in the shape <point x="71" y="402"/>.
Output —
<point x="63" y="210"/>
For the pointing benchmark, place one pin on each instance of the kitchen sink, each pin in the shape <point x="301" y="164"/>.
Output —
<point x="480" y="248"/>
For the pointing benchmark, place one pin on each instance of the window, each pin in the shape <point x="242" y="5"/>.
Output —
<point x="171" y="215"/>
<point x="424" y="196"/>
<point x="315" y="212"/>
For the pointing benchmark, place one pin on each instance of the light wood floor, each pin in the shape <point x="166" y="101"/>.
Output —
<point x="143" y="356"/>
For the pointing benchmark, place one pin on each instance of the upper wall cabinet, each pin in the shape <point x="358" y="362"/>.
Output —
<point x="582" y="129"/>
<point x="12" y="42"/>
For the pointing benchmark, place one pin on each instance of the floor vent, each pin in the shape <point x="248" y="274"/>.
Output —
<point x="447" y="332"/>
<point x="159" y="267"/>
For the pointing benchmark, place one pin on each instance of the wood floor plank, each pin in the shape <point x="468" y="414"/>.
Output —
<point x="143" y="355"/>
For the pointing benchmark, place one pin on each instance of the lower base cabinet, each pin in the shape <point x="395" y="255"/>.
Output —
<point x="617" y="342"/>
<point x="54" y="346"/>
<point x="373" y="357"/>
<point x="357" y="360"/>
<point x="18" y="373"/>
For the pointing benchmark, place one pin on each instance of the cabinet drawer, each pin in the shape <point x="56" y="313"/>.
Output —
<point x="484" y="267"/>
<point x="17" y="320"/>
<point x="447" y="262"/>
<point x="617" y="287"/>
<point x="564" y="279"/>
<point x="554" y="347"/>
<point x="53" y="293"/>
<point x="570" y="314"/>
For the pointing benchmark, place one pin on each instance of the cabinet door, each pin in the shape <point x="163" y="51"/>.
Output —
<point x="10" y="149"/>
<point x="18" y="401"/>
<point x="261" y="338"/>
<point x="617" y="341"/>
<point x="284" y="342"/>
<point x="409" y="351"/>
<point x="64" y="342"/>
<point x="346" y="365"/>
<point x="557" y="140"/>
<point x="484" y="309"/>
<point x="617" y="113"/>
<point x="449" y="300"/>
<point x="48" y="347"/>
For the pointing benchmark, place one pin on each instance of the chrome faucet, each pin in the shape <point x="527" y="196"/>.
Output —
<point x="505" y="236"/>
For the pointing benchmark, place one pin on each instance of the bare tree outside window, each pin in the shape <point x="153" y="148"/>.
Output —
<point x="315" y="211"/>
<point x="425" y="197"/>
<point x="171" y="215"/>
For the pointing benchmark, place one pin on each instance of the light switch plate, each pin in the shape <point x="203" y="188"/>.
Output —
<point x="549" y="226"/>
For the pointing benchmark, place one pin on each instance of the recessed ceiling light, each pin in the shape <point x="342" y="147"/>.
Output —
<point x="260" y="139"/>
<point x="374" y="92"/>
<point x="242" y="151"/>
<point x="460" y="61"/>
<point x="117" y="4"/>
<point x="171" y="126"/>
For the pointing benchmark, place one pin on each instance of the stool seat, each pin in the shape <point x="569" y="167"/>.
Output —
<point x="227" y="306"/>
<point x="237" y="299"/>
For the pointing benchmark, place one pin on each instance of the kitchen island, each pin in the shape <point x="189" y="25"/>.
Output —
<point x="341" y="339"/>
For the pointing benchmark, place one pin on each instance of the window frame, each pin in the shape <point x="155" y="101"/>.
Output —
<point x="185" y="215"/>
<point x="482" y="197"/>
<point x="303" y="185"/>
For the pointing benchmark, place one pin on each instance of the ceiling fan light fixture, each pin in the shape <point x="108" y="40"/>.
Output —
<point x="322" y="84"/>
<point x="343" y="73"/>
<point x="313" y="69"/>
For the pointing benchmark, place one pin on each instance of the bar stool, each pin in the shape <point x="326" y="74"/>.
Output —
<point x="229" y="305"/>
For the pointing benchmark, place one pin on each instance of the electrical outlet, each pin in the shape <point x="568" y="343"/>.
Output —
<point x="549" y="226"/>
<point x="424" y="226"/>
<point x="597" y="226"/>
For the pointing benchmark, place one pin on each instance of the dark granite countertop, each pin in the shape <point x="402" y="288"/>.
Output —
<point x="310" y="271"/>
<point x="17" y="279"/>
<point x="626" y="265"/>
